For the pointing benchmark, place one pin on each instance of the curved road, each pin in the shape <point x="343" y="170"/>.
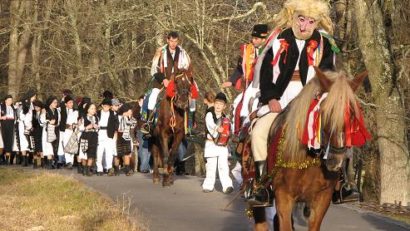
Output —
<point x="185" y="207"/>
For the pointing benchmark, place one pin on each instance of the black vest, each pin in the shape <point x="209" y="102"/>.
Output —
<point x="112" y="125"/>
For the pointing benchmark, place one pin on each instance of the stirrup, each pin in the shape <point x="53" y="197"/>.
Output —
<point x="265" y="200"/>
<point x="146" y="128"/>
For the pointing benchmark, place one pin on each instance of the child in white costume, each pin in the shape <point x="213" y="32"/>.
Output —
<point x="216" y="156"/>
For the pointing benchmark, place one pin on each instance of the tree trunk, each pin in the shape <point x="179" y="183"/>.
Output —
<point x="390" y="114"/>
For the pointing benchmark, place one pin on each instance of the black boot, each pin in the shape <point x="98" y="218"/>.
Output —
<point x="80" y="168"/>
<point x="49" y="163"/>
<point x="117" y="170"/>
<point x="43" y="162"/>
<point x="127" y="170"/>
<point x="88" y="171"/>
<point x="25" y="161"/>
<point x="146" y="128"/>
<point x="35" y="163"/>
<point x="262" y="196"/>
<point x="84" y="170"/>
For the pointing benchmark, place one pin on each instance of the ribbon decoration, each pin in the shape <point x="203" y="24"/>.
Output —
<point x="356" y="133"/>
<point x="310" y="49"/>
<point x="284" y="46"/>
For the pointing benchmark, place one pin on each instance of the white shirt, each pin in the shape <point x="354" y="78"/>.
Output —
<point x="211" y="126"/>
<point x="9" y="112"/>
<point x="72" y="116"/>
<point x="104" y="118"/>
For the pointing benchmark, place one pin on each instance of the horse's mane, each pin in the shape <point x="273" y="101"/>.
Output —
<point x="293" y="118"/>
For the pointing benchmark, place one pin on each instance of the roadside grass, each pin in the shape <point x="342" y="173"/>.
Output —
<point x="45" y="201"/>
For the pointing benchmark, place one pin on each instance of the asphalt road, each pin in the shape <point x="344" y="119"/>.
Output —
<point x="185" y="207"/>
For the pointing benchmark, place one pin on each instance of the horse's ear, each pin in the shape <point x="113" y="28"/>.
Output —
<point x="358" y="80"/>
<point x="325" y="83"/>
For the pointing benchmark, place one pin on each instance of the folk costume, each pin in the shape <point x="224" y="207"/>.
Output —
<point x="242" y="77"/>
<point x="286" y="65"/>
<point x="88" y="142"/>
<point x="169" y="63"/>
<point x="125" y="138"/>
<point x="50" y="134"/>
<point x="216" y="156"/>
<point x="8" y="130"/>
<point x="89" y="150"/>
<point x="37" y="133"/>
<point x="108" y="125"/>
<point x="69" y="120"/>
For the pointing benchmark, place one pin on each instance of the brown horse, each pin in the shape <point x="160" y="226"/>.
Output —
<point x="296" y="174"/>
<point x="170" y="129"/>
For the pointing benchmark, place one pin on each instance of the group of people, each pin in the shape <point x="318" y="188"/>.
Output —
<point x="97" y="137"/>
<point x="272" y="69"/>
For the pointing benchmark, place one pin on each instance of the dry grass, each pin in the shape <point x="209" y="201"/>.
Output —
<point x="46" y="201"/>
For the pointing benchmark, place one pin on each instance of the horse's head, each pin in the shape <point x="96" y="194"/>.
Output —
<point x="338" y="110"/>
<point x="183" y="90"/>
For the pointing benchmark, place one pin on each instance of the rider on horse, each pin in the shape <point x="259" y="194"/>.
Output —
<point x="242" y="78"/>
<point x="300" y="41"/>
<point x="169" y="61"/>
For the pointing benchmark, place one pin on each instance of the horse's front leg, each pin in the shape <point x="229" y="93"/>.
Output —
<point x="173" y="152"/>
<point x="164" y="142"/>
<point x="318" y="208"/>
<point x="157" y="163"/>
<point x="284" y="205"/>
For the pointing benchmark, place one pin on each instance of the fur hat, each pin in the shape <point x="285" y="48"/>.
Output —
<point x="317" y="9"/>
<point x="260" y="31"/>
<point x="221" y="97"/>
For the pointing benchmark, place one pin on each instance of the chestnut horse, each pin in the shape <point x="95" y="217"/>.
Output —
<point x="296" y="175"/>
<point x="170" y="129"/>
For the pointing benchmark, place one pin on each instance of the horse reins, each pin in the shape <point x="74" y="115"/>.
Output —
<point x="172" y="120"/>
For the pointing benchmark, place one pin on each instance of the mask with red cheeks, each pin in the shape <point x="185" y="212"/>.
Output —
<point x="303" y="26"/>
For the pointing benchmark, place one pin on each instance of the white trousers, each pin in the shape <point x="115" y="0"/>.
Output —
<point x="60" y="150"/>
<point x="212" y="164"/>
<point x="152" y="100"/>
<point x="250" y="93"/>
<point x="237" y="173"/>
<point x="105" y="153"/>
<point x="62" y="142"/>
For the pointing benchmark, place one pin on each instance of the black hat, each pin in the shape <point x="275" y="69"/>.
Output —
<point x="221" y="97"/>
<point x="38" y="103"/>
<point x="30" y="93"/>
<point x="68" y="98"/>
<point x="107" y="94"/>
<point x="124" y="108"/>
<point x="106" y="101"/>
<point x="159" y="77"/>
<point x="260" y="31"/>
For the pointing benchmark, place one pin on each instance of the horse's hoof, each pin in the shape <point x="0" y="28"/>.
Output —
<point x="166" y="185"/>
<point x="156" y="181"/>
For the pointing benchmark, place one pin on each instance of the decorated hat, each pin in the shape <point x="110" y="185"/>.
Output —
<point x="106" y="101"/>
<point x="260" y="31"/>
<point x="115" y="102"/>
<point x="221" y="97"/>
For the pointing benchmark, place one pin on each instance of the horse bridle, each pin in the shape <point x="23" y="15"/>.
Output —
<point x="183" y="91"/>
